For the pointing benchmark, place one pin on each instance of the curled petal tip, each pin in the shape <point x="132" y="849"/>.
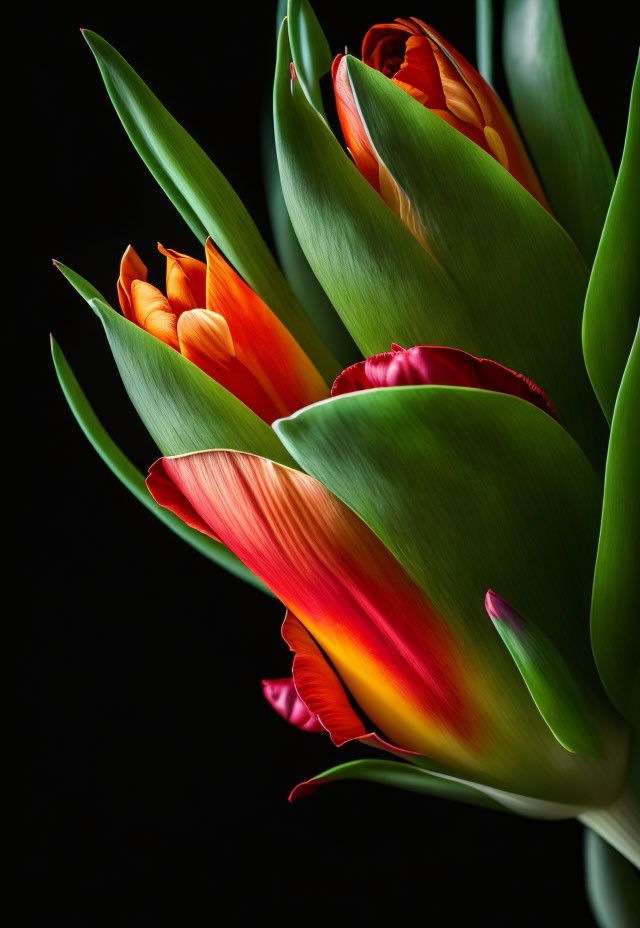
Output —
<point x="55" y="263"/>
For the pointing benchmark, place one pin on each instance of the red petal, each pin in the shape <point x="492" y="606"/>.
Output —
<point x="282" y="696"/>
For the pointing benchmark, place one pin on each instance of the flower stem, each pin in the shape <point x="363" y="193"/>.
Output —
<point x="619" y="824"/>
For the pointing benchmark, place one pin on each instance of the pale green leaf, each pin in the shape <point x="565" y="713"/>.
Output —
<point x="613" y="298"/>
<point x="570" y="156"/>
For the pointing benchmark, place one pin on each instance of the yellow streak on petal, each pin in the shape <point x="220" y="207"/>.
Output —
<point x="496" y="146"/>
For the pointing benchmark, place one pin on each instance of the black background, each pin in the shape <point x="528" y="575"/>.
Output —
<point x="156" y="775"/>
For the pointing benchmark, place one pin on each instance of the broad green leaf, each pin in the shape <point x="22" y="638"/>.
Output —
<point x="399" y="775"/>
<point x="182" y="407"/>
<point x="572" y="161"/>
<point x="613" y="298"/>
<point x="615" y="605"/>
<point x="373" y="270"/>
<point x="202" y="194"/>
<point x="473" y="490"/>
<point x="521" y="279"/>
<point x="484" y="38"/>
<point x="296" y="267"/>
<point x="613" y="885"/>
<point x="309" y="48"/>
<point x="548" y="677"/>
<point x="133" y="480"/>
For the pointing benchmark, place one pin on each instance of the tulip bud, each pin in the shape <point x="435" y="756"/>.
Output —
<point x="422" y="63"/>
<point x="213" y="318"/>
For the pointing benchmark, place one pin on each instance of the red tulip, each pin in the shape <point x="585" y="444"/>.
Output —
<point x="430" y="364"/>
<point x="422" y="63"/>
<point x="216" y="320"/>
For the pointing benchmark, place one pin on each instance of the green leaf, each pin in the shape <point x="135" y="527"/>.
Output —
<point x="301" y="278"/>
<point x="613" y="298"/>
<point x="484" y="38"/>
<point x="202" y="194"/>
<point x="309" y="48"/>
<point x="613" y="885"/>
<point x="520" y="278"/>
<point x="133" y="480"/>
<point x="570" y="156"/>
<point x="401" y="776"/>
<point x="373" y="270"/>
<point x="473" y="490"/>
<point x="615" y="605"/>
<point x="549" y="679"/>
<point x="182" y="407"/>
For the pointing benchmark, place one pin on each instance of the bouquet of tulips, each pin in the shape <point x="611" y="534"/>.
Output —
<point x="419" y="430"/>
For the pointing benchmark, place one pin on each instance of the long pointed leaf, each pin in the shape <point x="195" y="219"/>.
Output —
<point x="615" y="629"/>
<point x="133" y="480"/>
<point x="570" y="156"/>
<point x="310" y="49"/>
<point x="549" y="679"/>
<point x="202" y="194"/>
<point x="399" y="775"/>
<point x="613" y="298"/>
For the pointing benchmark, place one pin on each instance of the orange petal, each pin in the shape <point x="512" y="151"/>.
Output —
<point x="262" y="343"/>
<point x="458" y="98"/>
<point x="390" y="648"/>
<point x="353" y="129"/>
<point x="186" y="280"/>
<point x="494" y="114"/>
<point x="420" y="70"/>
<point x="151" y="311"/>
<point x="205" y="339"/>
<point x="131" y="268"/>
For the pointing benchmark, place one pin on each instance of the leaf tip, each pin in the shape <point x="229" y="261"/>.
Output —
<point x="500" y="610"/>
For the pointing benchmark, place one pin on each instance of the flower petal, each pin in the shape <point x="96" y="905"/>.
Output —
<point x="282" y="696"/>
<point x="152" y="312"/>
<point x="186" y="280"/>
<point x="391" y="650"/>
<point x="353" y="129"/>
<point x="131" y="268"/>
<point x="205" y="339"/>
<point x="494" y="114"/>
<point x="262" y="343"/>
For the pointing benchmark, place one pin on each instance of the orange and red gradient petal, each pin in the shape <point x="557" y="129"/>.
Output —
<point x="392" y="651"/>
<point x="353" y="129"/>
<point x="186" y="280"/>
<point x="204" y="338"/>
<point x="152" y="311"/>
<point x="262" y="343"/>
<point x="321" y="691"/>
<point x="131" y="268"/>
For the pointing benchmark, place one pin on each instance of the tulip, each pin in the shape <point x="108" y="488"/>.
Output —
<point x="215" y="320"/>
<point x="365" y="634"/>
<point x="422" y="63"/>
<point x="427" y="364"/>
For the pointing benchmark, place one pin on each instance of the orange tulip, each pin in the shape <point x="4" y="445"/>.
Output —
<point x="421" y="62"/>
<point x="213" y="318"/>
